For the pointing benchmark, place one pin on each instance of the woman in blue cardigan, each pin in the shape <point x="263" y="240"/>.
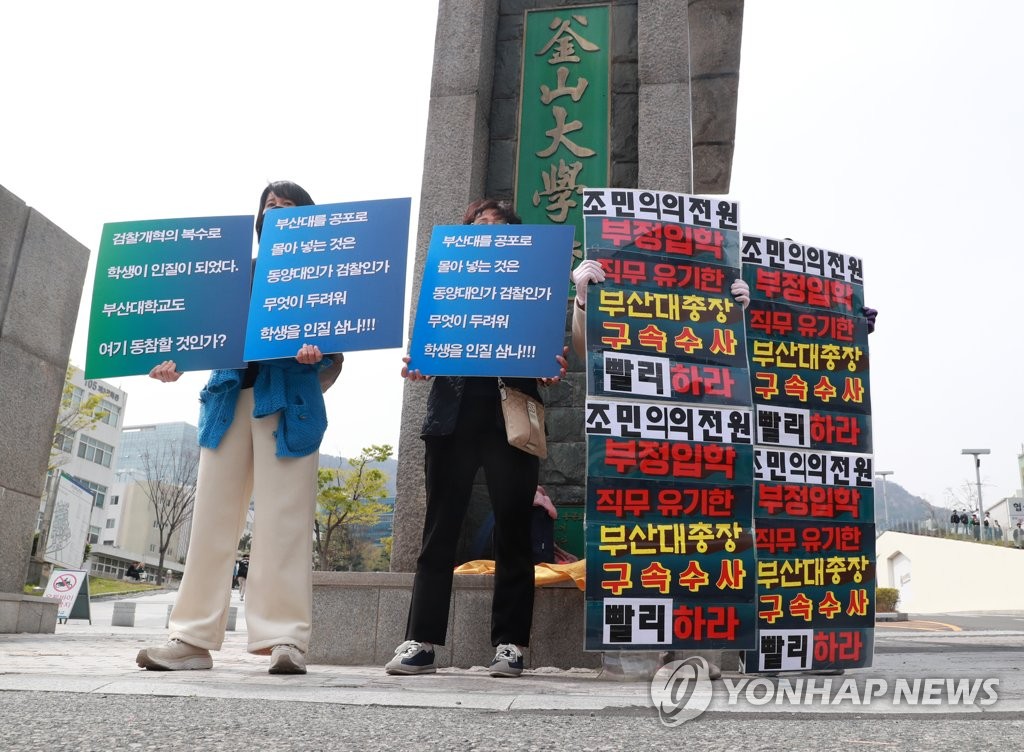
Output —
<point x="259" y="434"/>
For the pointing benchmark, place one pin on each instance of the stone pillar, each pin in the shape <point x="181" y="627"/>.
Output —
<point x="41" y="273"/>
<point x="455" y="165"/>
<point x="664" y="138"/>
<point x="666" y="63"/>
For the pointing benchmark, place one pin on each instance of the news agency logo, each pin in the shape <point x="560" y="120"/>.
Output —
<point x="909" y="695"/>
<point x="681" y="690"/>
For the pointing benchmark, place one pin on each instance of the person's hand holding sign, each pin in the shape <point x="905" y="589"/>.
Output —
<point x="165" y="372"/>
<point x="411" y="375"/>
<point x="309" y="355"/>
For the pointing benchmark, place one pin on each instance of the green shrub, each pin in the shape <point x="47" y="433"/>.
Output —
<point x="886" y="598"/>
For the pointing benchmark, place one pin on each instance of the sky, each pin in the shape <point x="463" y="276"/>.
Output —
<point x="890" y="131"/>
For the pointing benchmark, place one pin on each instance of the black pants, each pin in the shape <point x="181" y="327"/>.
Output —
<point x="450" y="465"/>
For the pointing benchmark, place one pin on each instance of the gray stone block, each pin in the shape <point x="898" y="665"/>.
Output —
<point x="716" y="28"/>
<point x="624" y="32"/>
<point x="48" y="620"/>
<point x="41" y="313"/>
<point x="508" y="69"/>
<point x="714" y="108"/>
<point x="345" y="603"/>
<point x="13" y="218"/>
<point x="503" y="119"/>
<point x="464" y="47"/>
<point x="554" y="641"/>
<point x="470" y="627"/>
<point x="345" y="625"/>
<point x="124" y="614"/>
<point x="663" y="144"/>
<point x="662" y="50"/>
<point x="712" y="167"/>
<point x="10" y="605"/>
<point x="19" y="513"/>
<point x="31" y="388"/>
<point x="30" y="614"/>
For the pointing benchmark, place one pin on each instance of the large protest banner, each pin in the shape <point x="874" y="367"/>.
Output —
<point x="670" y="555"/>
<point x="330" y="275"/>
<point x="813" y="492"/>
<point x="492" y="301"/>
<point x="169" y="289"/>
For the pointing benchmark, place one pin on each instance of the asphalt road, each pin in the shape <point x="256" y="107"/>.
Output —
<point x="50" y="722"/>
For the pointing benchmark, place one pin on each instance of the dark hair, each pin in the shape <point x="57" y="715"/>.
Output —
<point x="478" y="207"/>
<point x="282" y="189"/>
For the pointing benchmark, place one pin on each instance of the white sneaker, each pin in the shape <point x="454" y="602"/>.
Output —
<point x="287" y="659"/>
<point x="174" y="655"/>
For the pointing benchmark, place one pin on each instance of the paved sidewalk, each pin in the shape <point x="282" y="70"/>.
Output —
<point x="99" y="658"/>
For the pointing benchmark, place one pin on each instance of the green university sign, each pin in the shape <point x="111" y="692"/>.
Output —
<point x="563" y="114"/>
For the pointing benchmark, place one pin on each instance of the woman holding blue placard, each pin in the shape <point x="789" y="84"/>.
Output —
<point x="464" y="431"/>
<point x="260" y="429"/>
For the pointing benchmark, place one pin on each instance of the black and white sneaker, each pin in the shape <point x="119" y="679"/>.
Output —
<point x="508" y="661"/>
<point x="412" y="657"/>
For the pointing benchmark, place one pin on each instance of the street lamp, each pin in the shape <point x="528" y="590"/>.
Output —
<point x="977" y="470"/>
<point x="883" y="474"/>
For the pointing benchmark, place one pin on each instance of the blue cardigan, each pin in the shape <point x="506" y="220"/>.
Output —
<point x="284" y="386"/>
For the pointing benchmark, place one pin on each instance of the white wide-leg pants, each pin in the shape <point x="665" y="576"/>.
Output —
<point x="279" y="590"/>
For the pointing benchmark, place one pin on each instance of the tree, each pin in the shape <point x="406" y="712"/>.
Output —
<point x="348" y="497"/>
<point x="169" y="478"/>
<point x="78" y="411"/>
<point x="74" y="414"/>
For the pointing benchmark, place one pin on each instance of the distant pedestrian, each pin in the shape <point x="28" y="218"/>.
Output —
<point x="997" y="530"/>
<point x="1018" y="536"/>
<point x="954" y="522"/>
<point x="243" y="575"/>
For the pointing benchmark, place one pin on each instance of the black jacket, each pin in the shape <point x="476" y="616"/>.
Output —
<point x="446" y="397"/>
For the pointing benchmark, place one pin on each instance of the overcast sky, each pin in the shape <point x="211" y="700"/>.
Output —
<point x="885" y="130"/>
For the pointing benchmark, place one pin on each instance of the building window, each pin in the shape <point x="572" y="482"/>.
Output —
<point x="95" y="451"/>
<point x="113" y="501"/>
<point x="112" y="413"/>
<point x="110" y="524"/>
<point x="152" y="548"/>
<point x="99" y="492"/>
<point x="94" y="534"/>
<point x="108" y="543"/>
<point x="64" y="441"/>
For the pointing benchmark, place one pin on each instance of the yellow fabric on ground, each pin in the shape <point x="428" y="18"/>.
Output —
<point x="544" y="574"/>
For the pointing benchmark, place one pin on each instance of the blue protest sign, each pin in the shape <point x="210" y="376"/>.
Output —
<point x="492" y="302"/>
<point x="331" y="275"/>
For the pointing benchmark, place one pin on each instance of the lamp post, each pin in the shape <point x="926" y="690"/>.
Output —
<point x="977" y="471"/>
<point x="883" y="474"/>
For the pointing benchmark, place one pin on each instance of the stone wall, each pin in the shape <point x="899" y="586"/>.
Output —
<point x="41" y="273"/>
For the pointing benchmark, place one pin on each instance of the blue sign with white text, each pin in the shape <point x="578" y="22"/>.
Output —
<point x="492" y="302"/>
<point x="331" y="275"/>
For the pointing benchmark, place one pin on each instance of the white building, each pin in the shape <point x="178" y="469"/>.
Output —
<point x="88" y="455"/>
<point x="130" y="532"/>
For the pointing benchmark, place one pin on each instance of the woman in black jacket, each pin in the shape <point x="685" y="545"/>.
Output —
<point x="464" y="431"/>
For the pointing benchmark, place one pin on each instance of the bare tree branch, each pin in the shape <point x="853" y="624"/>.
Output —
<point x="169" y="477"/>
